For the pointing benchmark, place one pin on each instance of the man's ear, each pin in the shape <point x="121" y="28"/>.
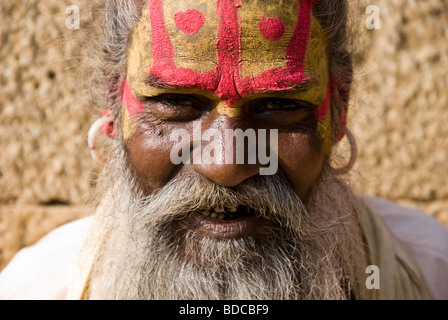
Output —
<point x="109" y="128"/>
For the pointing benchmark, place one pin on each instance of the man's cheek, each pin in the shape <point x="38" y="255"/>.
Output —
<point x="149" y="151"/>
<point x="299" y="161"/>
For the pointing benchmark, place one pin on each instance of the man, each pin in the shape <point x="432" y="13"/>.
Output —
<point x="190" y="211"/>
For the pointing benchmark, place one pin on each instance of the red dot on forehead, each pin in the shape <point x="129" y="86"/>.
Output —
<point x="225" y="80"/>
<point x="273" y="29"/>
<point x="189" y="21"/>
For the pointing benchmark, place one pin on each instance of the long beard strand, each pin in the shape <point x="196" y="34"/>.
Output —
<point x="310" y="251"/>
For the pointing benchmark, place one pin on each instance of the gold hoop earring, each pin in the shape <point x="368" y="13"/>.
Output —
<point x="353" y="153"/>
<point x="96" y="126"/>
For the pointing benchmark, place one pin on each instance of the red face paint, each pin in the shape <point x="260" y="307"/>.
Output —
<point x="110" y="128"/>
<point x="190" y="21"/>
<point x="225" y="80"/>
<point x="133" y="105"/>
<point x="273" y="29"/>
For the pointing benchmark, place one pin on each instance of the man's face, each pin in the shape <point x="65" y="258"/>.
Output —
<point x="220" y="229"/>
<point x="229" y="64"/>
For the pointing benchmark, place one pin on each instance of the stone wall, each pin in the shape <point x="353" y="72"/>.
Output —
<point x="400" y="108"/>
<point x="398" y="113"/>
<point x="46" y="171"/>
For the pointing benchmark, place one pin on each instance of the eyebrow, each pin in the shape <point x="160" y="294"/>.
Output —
<point x="161" y="84"/>
<point x="308" y="84"/>
<point x="157" y="83"/>
<point x="298" y="88"/>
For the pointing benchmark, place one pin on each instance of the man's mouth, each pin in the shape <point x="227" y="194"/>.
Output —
<point x="226" y="222"/>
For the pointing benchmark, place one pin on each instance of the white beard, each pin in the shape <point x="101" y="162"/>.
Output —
<point x="309" y="252"/>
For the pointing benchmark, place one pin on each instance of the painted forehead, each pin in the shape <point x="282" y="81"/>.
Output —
<point x="228" y="48"/>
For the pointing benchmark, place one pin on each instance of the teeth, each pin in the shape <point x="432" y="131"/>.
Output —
<point x="225" y="209"/>
<point x="219" y="212"/>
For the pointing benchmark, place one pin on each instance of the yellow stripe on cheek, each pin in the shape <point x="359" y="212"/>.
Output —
<point x="325" y="133"/>
<point x="128" y="127"/>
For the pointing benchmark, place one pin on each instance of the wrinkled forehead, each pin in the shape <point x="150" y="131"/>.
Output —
<point x="194" y="29"/>
<point x="262" y="26"/>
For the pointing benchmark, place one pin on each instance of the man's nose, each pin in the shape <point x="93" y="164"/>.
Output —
<point x="228" y="152"/>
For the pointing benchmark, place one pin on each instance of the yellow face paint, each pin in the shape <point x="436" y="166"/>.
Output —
<point x="324" y="127"/>
<point x="232" y="112"/>
<point x="325" y="132"/>
<point x="230" y="53"/>
<point x="128" y="124"/>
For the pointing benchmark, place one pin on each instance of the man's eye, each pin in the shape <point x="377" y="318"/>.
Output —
<point x="174" y="107"/>
<point x="173" y="101"/>
<point x="280" y="105"/>
<point x="284" y="112"/>
<point x="283" y="105"/>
